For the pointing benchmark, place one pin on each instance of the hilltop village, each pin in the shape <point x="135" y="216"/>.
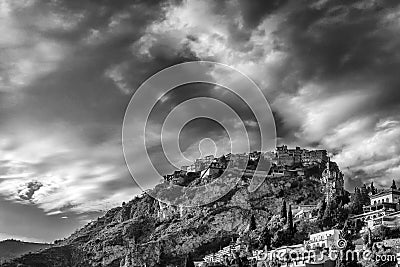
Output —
<point x="282" y="162"/>
<point x="367" y="218"/>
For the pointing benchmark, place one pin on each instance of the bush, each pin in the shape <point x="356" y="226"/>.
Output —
<point x="383" y="233"/>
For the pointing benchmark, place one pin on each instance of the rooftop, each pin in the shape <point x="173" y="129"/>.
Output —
<point x="386" y="192"/>
<point x="325" y="232"/>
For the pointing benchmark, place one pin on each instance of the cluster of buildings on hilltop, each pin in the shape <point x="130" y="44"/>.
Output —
<point x="213" y="166"/>
<point x="283" y="156"/>
<point x="199" y="164"/>
<point x="282" y="159"/>
<point x="233" y="160"/>
<point x="384" y="209"/>
<point x="284" y="162"/>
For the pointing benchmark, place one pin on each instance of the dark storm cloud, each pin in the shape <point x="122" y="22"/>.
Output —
<point x="346" y="44"/>
<point x="337" y="51"/>
<point x="199" y="128"/>
<point x="329" y="69"/>
<point x="253" y="12"/>
<point x="332" y="41"/>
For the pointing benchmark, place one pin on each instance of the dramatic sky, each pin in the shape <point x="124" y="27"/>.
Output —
<point x="69" y="68"/>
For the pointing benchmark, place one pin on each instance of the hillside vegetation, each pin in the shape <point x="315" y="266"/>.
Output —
<point x="140" y="232"/>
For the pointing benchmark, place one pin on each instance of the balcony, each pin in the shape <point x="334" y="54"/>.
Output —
<point x="380" y="206"/>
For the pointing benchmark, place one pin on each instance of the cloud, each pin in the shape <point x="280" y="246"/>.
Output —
<point x="67" y="71"/>
<point x="374" y="154"/>
<point x="253" y="12"/>
<point x="60" y="139"/>
<point x="329" y="70"/>
<point x="342" y="65"/>
<point x="56" y="212"/>
<point x="27" y="190"/>
<point x="59" y="172"/>
<point x="26" y="54"/>
<point x="115" y="74"/>
<point x="314" y="112"/>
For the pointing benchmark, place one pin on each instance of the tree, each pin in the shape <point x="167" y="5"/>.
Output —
<point x="290" y="220"/>
<point x="345" y="196"/>
<point x="364" y="195"/>
<point x="189" y="261"/>
<point x="321" y="209"/>
<point x="372" y="188"/>
<point x="327" y="218"/>
<point x="265" y="239"/>
<point x="160" y="254"/>
<point x="341" y="215"/>
<point x="357" y="202"/>
<point x="370" y="239"/>
<point x="394" y="186"/>
<point x="284" y="211"/>
<point x="281" y="238"/>
<point x="253" y="225"/>
<point x="303" y="230"/>
<point x="384" y="232"/>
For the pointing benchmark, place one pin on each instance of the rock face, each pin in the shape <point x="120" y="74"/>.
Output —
<point x="144" y="231"/>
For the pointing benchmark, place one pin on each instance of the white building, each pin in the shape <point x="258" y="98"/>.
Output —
<point x="191" y="168"/>
<point x="301" y="254"/>
<point x="327" y="239"/>
<point x="218" y="257"/>
<point x="184" y="168"/>
<point x="304" y="212"/>
<point x="382" y="211"/>
<point x="391" y="220"/>
<point x="208" y="159"/>
<point x="387" y="196"/>
<point x="362" y="219"/>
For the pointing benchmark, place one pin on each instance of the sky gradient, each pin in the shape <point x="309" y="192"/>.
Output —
<point x="69" y="68"/>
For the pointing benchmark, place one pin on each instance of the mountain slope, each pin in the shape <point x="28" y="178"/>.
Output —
<point x="13" y="248"/>
<point x="144" y="231"/>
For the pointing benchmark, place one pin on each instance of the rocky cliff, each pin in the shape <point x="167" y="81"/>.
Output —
<point x="144" y="231"/>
